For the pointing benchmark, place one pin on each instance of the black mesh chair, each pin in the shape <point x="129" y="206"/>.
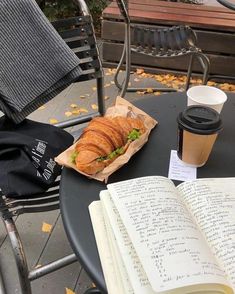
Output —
<point x="81" y="39"/>
<point x="169" y="42"/>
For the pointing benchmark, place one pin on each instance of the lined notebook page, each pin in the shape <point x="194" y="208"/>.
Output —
<point x="130" y="259"/>
<point x="212" y="202"/>
<point x="119" y="266"/>
<point x="171" y="249"/>
<point x="113" y="281"/>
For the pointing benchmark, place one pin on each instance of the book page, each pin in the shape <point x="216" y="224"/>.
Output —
<point x="112" y="279"/>
<point x="170" y="247"/>
<point x="212" y="202"/>
<point x="117" y="258"/>
<point x="130" y="259"/>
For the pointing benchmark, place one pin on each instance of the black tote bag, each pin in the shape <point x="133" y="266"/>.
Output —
<point x="27" y="152"/>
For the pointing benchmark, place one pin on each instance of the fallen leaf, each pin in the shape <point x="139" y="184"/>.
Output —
<point x="94" y="106"/>
<point x="112" y="70"/>
<point x="112" y="82"/>
<point x="149" y="90"/>
<point x="108" y="74"/>
<point x="42" y="107"/>
<point x="136" y="80"/>
<point x="157" y="93"/>
<point x="46" y="228"/>
<point x="83" y="110"/>
<point x="93" y="285"/>
<point x="139" y="71"/>
<point x="53" y="121"/>
<point x="82" y="96"/>
<point x="140" y="92"/>
<point x="211" y="83"/>
<point x="94" y="88"/>
<point x="69" y="291"/>
<point x="76" y="111"/>
<point x="68" y="113"/>
<point x="107" y="85"/>
<point x="106" y="97"/>
<point x="73" y="105"/>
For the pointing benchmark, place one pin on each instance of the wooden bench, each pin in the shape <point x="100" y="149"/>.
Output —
<point x="214" y="25"/>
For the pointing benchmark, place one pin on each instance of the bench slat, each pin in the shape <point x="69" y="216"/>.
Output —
<point x="166" y="4"/>
<point x="171" y="18"/>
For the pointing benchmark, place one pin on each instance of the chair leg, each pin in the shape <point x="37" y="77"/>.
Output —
<point x="19" y="256"/>
<point x="126" y="54"/>
<point x="100" y="94"/>
<point x="205" y="63"/>
<point x="2" y="285"/>
<point x="118" y="85"/>
<point x="189" y="73"/>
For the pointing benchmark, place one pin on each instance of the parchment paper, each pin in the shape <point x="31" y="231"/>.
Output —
<point x="121" y="108"/>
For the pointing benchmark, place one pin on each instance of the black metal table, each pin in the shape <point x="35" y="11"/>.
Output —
<point x="77" y="192"/>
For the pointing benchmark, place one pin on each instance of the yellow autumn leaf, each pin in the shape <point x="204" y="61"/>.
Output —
<point x="69" y="291"/>
<point x="112" y="70"/>
<point x="140" y="92"/>
<point x="53" y="121"/>
<point x="94" y="88"/>
<point x="82" y="96"/>
<point x="139" y="71"/>
<point x="107" y="85"/>
<point x="42" y="107"/>
<point x="94" y="106"/>
<point x="149" y="90"/>
<point x="46" y="228"/>
<point x="83" y="110"/>
<point x="76" y="111"/>
<point x="157" y="93"/>
<point x="73" y="105"/>
<point x="106" y="97"/>
<point x="68" y="113"/>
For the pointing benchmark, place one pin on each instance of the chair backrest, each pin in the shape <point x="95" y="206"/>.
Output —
<point x="79" y="34"/>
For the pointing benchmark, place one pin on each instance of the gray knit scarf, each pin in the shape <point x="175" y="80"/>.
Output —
<point x="35" y="62"/>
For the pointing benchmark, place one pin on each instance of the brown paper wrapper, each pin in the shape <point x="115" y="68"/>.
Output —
<point x="121" y="108"/>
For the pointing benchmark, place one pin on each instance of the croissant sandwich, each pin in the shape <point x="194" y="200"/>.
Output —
<point x="103" y="140"/>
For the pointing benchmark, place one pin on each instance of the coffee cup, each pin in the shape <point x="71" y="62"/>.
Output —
<point x="198" y="128"/>
<point x="206" y="96"/>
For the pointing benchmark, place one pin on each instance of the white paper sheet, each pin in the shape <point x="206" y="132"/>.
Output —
<point x="180" y="171"/>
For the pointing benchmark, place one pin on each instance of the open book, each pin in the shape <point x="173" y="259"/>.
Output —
<point x="153" y="237"/>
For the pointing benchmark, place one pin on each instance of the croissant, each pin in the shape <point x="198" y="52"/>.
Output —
<point x="103" y="140"/>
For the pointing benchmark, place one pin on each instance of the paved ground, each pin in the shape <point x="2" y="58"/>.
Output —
<point x="43" y="247"/>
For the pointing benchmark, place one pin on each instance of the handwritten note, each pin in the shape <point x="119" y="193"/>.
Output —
<point x="180" y="171"/>
<point x="130" y="258"/>
<point x="164" y="235"/>
<point x="212" y="202"/>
